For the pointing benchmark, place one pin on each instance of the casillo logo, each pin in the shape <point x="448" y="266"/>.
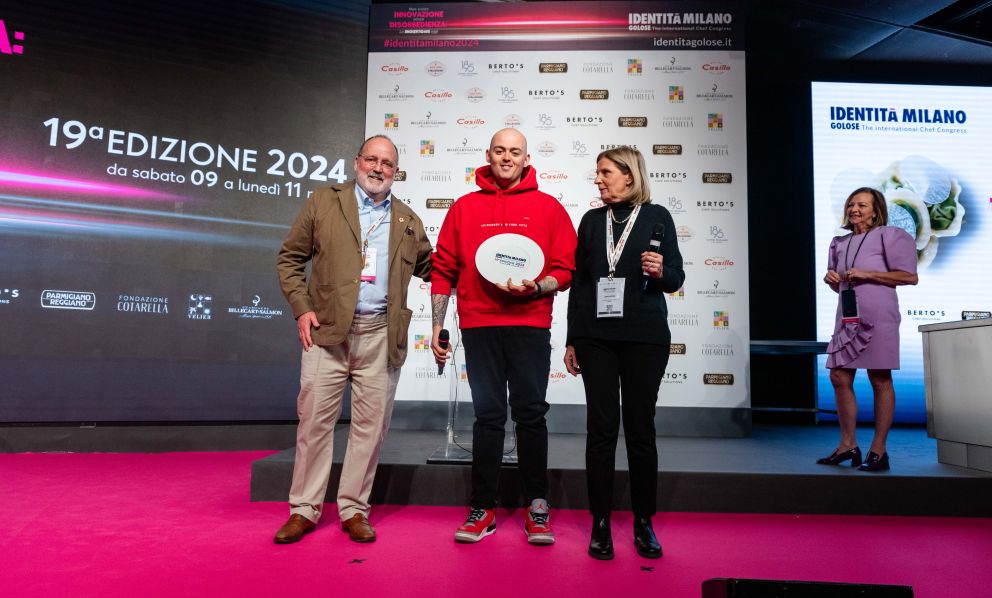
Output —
<point x="553" y="67"/>
<point x="400" y="176"/>
<point x="716" y="68"/>
<point x="717" y="177"/>
<point x="666" y="149"/>
<point x="594" y="94"/>
<point x="719" y="263"/>
<point x="438" y="95"/>
<point x="394" y="68"/>
<point x="720" y="379"/>
<point x="554" y="176"/>
<point x="632" y="121"/>
<point x="677" y="349"/>
<point x="471" y="122"/>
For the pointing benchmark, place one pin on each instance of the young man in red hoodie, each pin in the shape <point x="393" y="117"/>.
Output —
<point x="506" y="327"/>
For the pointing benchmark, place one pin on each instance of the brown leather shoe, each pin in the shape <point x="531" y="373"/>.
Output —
<point x="294" y="530"/>
<point x="358" y="529"/>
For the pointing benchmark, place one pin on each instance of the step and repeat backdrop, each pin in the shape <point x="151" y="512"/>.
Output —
<point x="926" y="147"/>
<point x="577" y="78"/>
<point x="152" y="157"/>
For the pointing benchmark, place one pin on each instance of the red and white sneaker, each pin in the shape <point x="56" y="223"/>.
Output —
<point x="480" y="523"/>
<point x="537" y="523"/>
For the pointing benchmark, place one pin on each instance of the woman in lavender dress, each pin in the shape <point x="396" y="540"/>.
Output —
<point x="864" y="267"/>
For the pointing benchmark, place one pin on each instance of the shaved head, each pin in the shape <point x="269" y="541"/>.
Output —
<point x="507" y="156"/>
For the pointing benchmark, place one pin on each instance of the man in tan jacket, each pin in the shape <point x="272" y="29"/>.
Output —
<point x="352" y="321"/>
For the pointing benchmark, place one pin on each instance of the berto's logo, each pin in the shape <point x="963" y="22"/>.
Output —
<point x="8" y="295"/>
<point x="6" y="45"/>
<point x="85" y="300"/>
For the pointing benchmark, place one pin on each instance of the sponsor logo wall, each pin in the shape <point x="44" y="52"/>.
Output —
<point x="670" y="82"/>
<point x="926" y="147"/>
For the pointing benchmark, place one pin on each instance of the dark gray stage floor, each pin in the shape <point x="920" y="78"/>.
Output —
<point x="773" y="471"/>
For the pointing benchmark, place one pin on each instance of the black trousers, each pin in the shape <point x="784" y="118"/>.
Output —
<point x="610" y="368"/>
<point x="518" y="359"/>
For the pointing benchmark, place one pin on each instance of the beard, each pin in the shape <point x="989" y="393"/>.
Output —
<point x="371" y="184"/>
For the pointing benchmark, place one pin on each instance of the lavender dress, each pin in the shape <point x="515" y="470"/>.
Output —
<point x="872" y="343"/>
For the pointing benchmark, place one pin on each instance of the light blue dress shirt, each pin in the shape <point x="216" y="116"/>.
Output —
<point x="372" y="295"/>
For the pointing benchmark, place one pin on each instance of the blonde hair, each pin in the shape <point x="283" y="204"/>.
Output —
<point x="877" y="204"/>
<point x="630" y="162"/>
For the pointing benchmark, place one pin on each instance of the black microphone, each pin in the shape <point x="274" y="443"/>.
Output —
<point x="654" y="246"/>
<point x="442" y="339"/>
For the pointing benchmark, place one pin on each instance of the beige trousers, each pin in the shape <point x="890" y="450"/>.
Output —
<point x="362" y="357"/>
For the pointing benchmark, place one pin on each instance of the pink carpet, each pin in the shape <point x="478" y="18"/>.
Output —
<point x="181" y="524"/>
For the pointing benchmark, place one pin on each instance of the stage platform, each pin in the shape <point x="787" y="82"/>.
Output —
<point x="772" y="471"/>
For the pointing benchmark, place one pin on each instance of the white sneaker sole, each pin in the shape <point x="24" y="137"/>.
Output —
<point x="540" y="539"/>
<point x="466" y="537"/>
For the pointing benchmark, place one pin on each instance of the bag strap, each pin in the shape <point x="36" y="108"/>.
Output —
<point x="885" y="259"/>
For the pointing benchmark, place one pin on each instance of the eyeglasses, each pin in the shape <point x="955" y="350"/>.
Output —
<point x="372" y="162"/>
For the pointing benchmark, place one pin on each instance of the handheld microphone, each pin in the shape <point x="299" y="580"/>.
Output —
<point x="443" y="339"/>
<point x="654" y="246"/>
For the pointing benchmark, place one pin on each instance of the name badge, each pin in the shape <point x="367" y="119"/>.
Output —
<point x="368" y="268"/>
<point x="849" y="307"/>
<point x="609" y="298"/>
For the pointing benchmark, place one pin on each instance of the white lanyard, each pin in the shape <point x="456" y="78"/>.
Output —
<point x="613" y="252"/>
<point x="368" y="233"/>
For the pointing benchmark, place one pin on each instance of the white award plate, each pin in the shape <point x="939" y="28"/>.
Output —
<point x="509" y="256"/>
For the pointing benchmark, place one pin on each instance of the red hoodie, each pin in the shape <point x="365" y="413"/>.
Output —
<point x="492" y="211"/>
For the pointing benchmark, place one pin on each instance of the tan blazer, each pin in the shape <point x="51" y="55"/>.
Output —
<point x="327" y="232"/>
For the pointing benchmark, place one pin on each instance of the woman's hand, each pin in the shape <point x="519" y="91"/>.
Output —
<point x="652" y="264"/>
<point x="832" y="277"/>
<point x="571" y="363"/>
<point x="856" y="275"/>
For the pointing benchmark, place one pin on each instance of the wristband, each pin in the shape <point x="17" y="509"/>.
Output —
<point x="537" y="288"/>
